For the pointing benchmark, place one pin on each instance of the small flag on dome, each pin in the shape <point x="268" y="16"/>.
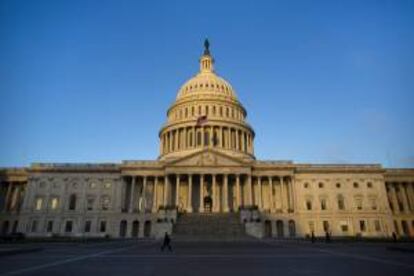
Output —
<point x="201" y="120"/>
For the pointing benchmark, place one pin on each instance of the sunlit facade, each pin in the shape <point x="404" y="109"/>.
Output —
<point x="206" y="165"/>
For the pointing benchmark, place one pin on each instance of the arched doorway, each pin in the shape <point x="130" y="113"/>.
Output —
<point x="123" y="228"/>
<point x="268" y="229"/>
<point x="208" y="204"/>
<point x="147" y="229"/>
<point x="279" y="229"/>
<point x="135" y="229"/>
<point x="292" y="228"/>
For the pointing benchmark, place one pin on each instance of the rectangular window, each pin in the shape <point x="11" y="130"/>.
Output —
<point x="88" y="224"/>
<point x="89" y="203"/>
<point x="54" y="204"/>
<point x="68" y="226"/>
<point x="344" y="228"/>
<point x="362" y="226"/>
<point x="102" y="226"/>
<point x="49" y="227"/>
<point x="39" y="203"/>
<point x="34" y="226"/>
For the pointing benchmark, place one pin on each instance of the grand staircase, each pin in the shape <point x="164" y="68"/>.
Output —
<point x="209" y="227"/>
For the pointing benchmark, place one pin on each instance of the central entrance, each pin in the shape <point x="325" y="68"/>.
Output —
<point x="208" y="204"/>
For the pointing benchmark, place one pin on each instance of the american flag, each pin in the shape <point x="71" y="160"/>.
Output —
<point x="201" y="120"/>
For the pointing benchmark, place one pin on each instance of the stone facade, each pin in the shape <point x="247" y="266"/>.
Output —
<point x="206" y="165"/>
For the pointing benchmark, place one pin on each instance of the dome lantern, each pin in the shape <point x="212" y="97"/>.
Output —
<point x="206" y="60"/>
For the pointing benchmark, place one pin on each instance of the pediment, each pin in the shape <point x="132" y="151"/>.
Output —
<point x="206" y="158"/>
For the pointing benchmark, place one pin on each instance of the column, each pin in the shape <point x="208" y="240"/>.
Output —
<point x="131" y="196"/>
<point x="404" y="198"/>
<point x="293" y="191"/>
<point x="190" y="193"/>
<point x="272" y="200"/>
<point x="194" y="137"/>
<point x="155" y="195"/>
<point x="394" y="198"/>
<point x="249" y="189"/>
<point x="177" y="190"/>
<point x="237" y="140"/>
<point x="282" y="192"/>
<point x="227" y="134"/>
<point x="185" y="140"/>
<point x="176" y="139"/>
<point x="7" y="199"/>
<point x="238" y="191"/>
<point x="144" y="194"/>
<point x="221" y="140"/>
<point x="243" y="142"/>
<point x="201" y="207"/>
<point x="202" y="136"/>
<point x="259" y="195"/>
<point x="165" y="199"/>
<point x="226" y="193"/>
<point x="410" y="192"/>
<point x="214" y="192"/>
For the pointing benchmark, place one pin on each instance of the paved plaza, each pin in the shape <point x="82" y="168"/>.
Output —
<point x="210" y="258"/>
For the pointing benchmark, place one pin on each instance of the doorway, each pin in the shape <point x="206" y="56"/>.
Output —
<point x="208" y="204"/>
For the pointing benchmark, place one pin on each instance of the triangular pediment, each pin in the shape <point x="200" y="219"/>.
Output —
<point x="207" y="158"/>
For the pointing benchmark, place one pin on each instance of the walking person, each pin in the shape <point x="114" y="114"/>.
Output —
<point x="166" y="242"/>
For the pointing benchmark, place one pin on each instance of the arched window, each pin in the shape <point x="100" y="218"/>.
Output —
<point x="72" y="202"/>
<point x="227" y="112"/>
<point x="206" y="109"/>
<point x="186" y="112"/>
<point x="199" y="110"/>
<point x="221" y="111"/>
<point x="214" y="110"/>
<point x="192" y="111"/>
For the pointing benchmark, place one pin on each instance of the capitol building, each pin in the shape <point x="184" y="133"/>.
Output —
<point x="206" y="183"/>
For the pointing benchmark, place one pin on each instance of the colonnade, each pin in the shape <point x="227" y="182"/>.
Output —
<point x="401" y="196"/>
<point x="218" y="192"/>
<point x="200" y="136"/>
<point x="14" y="196"/>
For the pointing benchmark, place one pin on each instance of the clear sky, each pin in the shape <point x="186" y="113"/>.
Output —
<point x="322" y="81"/>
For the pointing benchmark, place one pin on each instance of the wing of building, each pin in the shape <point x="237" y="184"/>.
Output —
<point x="206" y="182"/>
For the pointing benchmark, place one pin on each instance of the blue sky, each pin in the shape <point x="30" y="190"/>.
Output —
<point x="323" y="81"/>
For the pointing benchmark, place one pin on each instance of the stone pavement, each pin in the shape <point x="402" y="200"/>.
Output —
<point x="269" y="257"/>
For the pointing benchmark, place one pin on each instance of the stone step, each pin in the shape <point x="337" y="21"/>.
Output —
<point x="209" y="226"/>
